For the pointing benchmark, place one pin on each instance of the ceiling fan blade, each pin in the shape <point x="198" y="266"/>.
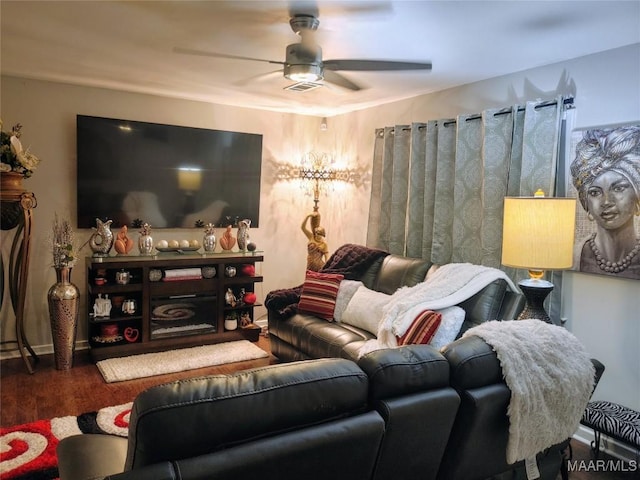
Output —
<point x="374" y="65"/>
<point x="337" y="79"/>
<point x="202" y="53"/>
<point x="259" y="78"/>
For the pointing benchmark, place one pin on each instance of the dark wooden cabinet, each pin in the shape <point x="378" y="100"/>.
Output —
<point x="140" y="304"/>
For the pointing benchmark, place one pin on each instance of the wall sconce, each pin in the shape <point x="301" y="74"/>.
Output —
<point x="538" y="235"/>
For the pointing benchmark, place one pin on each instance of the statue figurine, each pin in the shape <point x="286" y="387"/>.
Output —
<point x="243" y="234"/>
<point x="227" y="241"/>
<point x="123" y="244"/>
<point x="317" y="248"/>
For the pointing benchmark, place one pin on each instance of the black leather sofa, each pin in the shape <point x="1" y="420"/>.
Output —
<point x="387" y="417"/>
<point x="303" y="336"/>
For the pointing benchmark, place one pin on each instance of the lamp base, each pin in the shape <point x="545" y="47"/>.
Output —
<point x="535" y="292"/>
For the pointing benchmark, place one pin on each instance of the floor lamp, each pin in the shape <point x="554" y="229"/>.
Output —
<point x="538" y="235"/>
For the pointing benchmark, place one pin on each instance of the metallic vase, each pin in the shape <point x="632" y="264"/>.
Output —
<point x="145" y="244"/>
<point x="64" y="302"/>
<point x="209" y="242"/>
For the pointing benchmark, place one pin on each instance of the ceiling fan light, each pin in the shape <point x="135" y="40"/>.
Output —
<point x="303" y="73"/>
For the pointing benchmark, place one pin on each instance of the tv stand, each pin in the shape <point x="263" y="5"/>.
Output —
<point x="169" y="300"/>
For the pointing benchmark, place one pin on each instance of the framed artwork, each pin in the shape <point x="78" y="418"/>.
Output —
<point x="604" y="176"/>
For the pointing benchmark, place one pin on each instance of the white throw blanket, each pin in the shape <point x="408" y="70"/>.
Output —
<point x="550" y="376"/>
<point x="449" y="285"/>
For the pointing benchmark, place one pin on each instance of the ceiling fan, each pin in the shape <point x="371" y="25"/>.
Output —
<point x="304" y="63"/>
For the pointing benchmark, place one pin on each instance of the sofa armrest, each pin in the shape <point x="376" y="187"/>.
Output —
<point x="91" y="456"/>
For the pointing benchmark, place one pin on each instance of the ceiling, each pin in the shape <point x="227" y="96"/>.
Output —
<point x="129" y="45"/>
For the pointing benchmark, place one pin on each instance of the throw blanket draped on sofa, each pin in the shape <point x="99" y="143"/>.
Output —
<point x="350" y="260"/>
<point x="449" y="285"/>
<point x="550" y="376"/>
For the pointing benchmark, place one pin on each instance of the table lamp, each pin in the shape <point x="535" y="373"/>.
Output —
<point x="538" y="235"/>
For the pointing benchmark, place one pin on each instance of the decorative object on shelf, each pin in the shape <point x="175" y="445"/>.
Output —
<point x="123" y="244"/>
<point x="317" y="248"/>
<point x="131" y="334"/>
<point x="15" y="162"/>
<point x="230" y="271"/>
<point x="240" y="297"/>
<point x="538" y="235"/>
<point x="101" y="239"/>
<point x="251" y="246"/>
<point x="100" y="281"/>
<point x="208" y="272"/>
<point x="249" y="298"/>
<point x="123" y="277"/>
<point x="102" y="306"/>
<point x="248" y="270"/>
<point x="230" y="298"/>
<point x="64" y="302"/>
<point x="243" y="234"/>
<point x="231" y="321"/>
<point x="155" y="275"/>
<point x="63" y="297"/>
<point x="209" y="240"/>
<point x="145" y="242"/>
<point x="129" y="306"/>
<point x="116" y="301"/>
<point x="227" y="241"/>
<point x="245" y="319"/>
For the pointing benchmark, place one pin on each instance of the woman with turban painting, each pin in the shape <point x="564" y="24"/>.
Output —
<point x="606" y="174"/>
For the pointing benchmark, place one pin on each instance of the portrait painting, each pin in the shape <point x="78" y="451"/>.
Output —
<point x="604" y="176"/>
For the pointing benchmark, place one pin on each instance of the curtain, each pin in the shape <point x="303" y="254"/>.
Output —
<point x="438" y="187"/>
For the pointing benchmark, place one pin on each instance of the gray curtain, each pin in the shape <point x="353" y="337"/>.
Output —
<point x="438" y="187"/>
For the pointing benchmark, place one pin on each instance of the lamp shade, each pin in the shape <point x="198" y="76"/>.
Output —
<point x="538" y="232"/>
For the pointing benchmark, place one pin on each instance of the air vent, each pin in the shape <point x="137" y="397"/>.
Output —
<point x="303" y="86"/>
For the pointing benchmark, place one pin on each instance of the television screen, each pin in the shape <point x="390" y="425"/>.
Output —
<point x="168" y="176"/>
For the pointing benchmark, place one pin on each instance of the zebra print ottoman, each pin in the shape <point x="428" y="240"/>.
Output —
<point x="613" y="420"/>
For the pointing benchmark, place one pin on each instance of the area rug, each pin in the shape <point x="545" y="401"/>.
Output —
<point x="150" y="364"/>
<point x="28" y="451"/>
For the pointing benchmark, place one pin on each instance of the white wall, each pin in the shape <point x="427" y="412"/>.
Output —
<point x="604" y="313"/>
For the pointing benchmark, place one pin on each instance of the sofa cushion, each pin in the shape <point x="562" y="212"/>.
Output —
<point x="452" y="319"/>
<point x="319" y="293"/>
<point x="345" y="293"/>
<point x="365" y="309"/>
<point x="422" y="329"/>
<point x="397" y="271"/>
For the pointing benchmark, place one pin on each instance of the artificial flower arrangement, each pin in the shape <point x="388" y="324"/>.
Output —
<point x="13" y="158"/>
<point x="62" y="244"/>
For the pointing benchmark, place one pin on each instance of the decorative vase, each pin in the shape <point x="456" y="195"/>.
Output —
<point x="145" y="244"/>
<point x="227" y="241"/>
<point x="243" y="234"/>
<point x="11" y="182"/>
<point x="209" y="242"/>
<point x="101" y="240"/>
<point x="64" y="302"/>
<point x="231" y="322"/>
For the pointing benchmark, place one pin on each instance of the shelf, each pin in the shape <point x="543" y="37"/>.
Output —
<point x="198" y="304"/>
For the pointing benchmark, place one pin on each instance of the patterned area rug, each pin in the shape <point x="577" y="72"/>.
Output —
<point x="28" y="451"/>
<point x="171" y="361"/>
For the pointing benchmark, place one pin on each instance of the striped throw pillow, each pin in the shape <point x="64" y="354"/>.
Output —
<point x="319" y="293"/>
<point x="422" y="329"/>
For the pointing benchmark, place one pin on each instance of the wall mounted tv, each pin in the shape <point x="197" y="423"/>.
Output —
<point x="165" y="175"/>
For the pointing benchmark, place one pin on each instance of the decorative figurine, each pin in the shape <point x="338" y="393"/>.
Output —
<point x="209" y="240"/>
<point x="317" y="248"/>
<point x="230" y="298"/>
<point x="243" y="234"/>
<point x="101" y="240"/>
<point x="245" y="319"/>
<point x="102" y="306"/>
<point x="123" y="244"/>
<point x="145" y="242"/>
<point x="227" y="241"/>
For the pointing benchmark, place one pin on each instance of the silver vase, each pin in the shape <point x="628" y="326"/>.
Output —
<point x="145" y="244"/>
<point x="64" y="302"/>
<point x="209" y="242"/>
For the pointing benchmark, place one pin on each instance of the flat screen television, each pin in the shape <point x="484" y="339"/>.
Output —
<point x="165" y="175"/>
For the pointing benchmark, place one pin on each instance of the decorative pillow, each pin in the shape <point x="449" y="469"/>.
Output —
<point x="345" y="293"/>
<point x="319" y="293"/>
<point x="452" y="319"/>
<point x="365" y="309"/>
<point x="422" y="329"/>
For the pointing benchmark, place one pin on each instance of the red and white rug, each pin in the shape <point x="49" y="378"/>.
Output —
<point x="28" y="452"/>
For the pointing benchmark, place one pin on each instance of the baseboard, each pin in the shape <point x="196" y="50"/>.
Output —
<point x="41" y="350"/>
<point x="608" y="445"/>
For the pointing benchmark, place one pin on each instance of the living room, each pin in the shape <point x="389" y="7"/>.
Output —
<point x="601" y="311"/>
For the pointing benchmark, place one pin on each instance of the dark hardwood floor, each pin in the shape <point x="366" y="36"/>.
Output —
<point x="52" y="393"/>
